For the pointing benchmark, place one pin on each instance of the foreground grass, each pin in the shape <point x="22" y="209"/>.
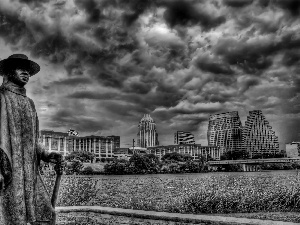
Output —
<point x="185" y="194"/>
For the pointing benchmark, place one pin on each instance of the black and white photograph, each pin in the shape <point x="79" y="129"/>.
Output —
<point x="155" y="112"/>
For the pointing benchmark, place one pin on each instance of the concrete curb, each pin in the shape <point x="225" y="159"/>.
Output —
<point x="176" y="217"/>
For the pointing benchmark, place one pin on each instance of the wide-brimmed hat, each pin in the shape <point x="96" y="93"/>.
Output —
<point x="18" y="61"/>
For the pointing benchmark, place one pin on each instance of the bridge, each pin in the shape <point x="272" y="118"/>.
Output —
<point x="252" y="164"/>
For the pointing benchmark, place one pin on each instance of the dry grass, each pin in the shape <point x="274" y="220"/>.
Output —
<point x="186" y="194"/>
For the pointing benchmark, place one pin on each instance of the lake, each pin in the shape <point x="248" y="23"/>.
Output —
<point x="196" y="175"/>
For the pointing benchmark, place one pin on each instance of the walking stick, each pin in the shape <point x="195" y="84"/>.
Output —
<point x="59" y="172"/>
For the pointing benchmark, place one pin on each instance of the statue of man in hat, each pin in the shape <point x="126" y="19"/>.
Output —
<point x="23" y="197"/>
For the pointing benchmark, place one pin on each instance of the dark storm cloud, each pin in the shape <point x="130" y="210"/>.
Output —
<point x="153" y="100"/>
<point x="291" y="58"/>
<point x="218" y="97"/>
<point x="195" y="110"/>
<point x="185" y="13"/>
<point x="214" y="66"/>
<point x="72" y="81"/>
<point x="189" y="125"/>
<point x="138" y="87"/>
<point x="109" y="78"/>
<point x="91" y="8"/>
<point x="71" y="50"/>
<point x="137" y="8"/>
<point x="93" y="95"/>
<point x="237" y="3"/>
<point x="292" y="6"/>
<point x="53" y="47"/>
<point x="264" y="3"/>
<point x="167" y="58"/>
<point x="12" y="29"/>
<point x="34" y="3"/>
<point x="122" y="109"/>
<point x="263" y="25"/>
<point x="248" y="83"/>
<point x="252" y="58"/>
<point x="256" y="56"/>
<point x="78" y="120"/>
<point x="63" y="114"/>
<point x="163" y="115"/>
<point x="73" y="67"/>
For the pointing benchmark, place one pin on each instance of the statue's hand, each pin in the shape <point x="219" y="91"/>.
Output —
<point x="54" y="157"/>
<point x="1" y="184"/>
<point x="58" y="160"/>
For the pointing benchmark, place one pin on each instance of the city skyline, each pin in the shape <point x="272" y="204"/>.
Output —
<point x="217" y="122"/>
<point x="106" y="63"/>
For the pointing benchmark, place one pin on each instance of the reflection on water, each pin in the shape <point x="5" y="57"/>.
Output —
<point x="196" y="175"/>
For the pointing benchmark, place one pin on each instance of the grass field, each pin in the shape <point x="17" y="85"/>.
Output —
<point x="209" y="194"/>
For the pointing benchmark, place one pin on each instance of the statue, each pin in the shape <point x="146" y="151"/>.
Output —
<point x="23" y="197"/>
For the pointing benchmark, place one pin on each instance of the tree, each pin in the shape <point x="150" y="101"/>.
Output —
<point x="233" y="168"/>
<point x="82" y="156"/>
<point x="87" y="171"/>
<point x="138" y="164"/>
<point x="118" y="166"/>
<point x="175" y="168"/>
<point x="194" y="167"/>
<point x="74" y="167"/>
<point x="235" y="155"/>
<point x="176" y="157"/>
<point x="153" y="163"/>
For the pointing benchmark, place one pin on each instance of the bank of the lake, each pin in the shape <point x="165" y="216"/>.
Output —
<point x="214" y="193"/>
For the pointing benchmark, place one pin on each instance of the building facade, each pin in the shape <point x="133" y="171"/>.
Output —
<point x="194" y="150"/>
<point x="102" y="147"/>
<point x="293" y="150"/>
<point x="225" y="131"/>
<point x="147" y="135"/>
<point x="258" y="137"/>
<point x="183" y="137"/>
<point x="123" y="153"/>
<point x="55" y="141"/>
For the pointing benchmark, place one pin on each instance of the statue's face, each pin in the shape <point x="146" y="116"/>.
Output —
<point x="20" y="77"/>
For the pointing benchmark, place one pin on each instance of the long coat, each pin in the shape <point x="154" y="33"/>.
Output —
<point x="25" y="198"/>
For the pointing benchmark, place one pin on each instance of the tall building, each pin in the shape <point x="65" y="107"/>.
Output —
<point x="147" y="135"/>
<point x="258" y="137"/>
<point x="183" y="137"/>
<point x="102" y="147"/>
<point x="225" y="131"/>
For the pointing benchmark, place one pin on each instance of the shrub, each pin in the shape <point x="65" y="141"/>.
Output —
<point x="82" y="156"/>
<point x="74" y="167"/>
<point x="116" y="167"/>
<point x="87" y="171"/>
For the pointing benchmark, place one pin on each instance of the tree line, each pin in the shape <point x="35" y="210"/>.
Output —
<point x="150" y="164"/>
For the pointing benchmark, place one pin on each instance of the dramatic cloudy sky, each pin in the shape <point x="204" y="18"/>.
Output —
<point x="105" y="63"/>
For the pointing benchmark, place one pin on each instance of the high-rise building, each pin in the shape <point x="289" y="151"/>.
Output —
<point x="147" y="135"/>
<point x="225" y="131"/>
<point x="258" y="137"/>
<point x="183" y="137"/>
